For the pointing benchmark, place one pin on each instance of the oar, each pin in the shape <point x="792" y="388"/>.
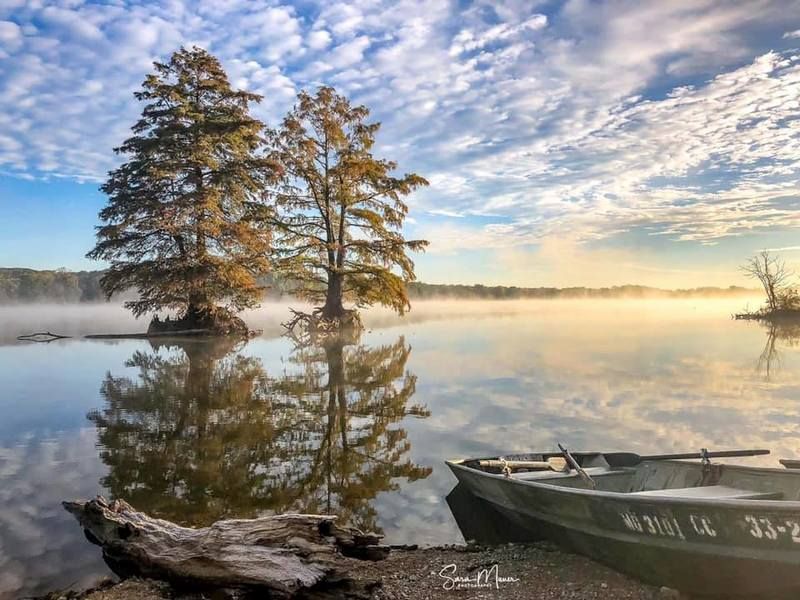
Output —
<point x="574" y="464"/>
<point x="533" y="465"/>
<point x="629" y="459"/>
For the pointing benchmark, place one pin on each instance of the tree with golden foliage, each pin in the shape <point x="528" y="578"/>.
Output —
<point x="184" y="225"/>
<point x="340" y="211"/>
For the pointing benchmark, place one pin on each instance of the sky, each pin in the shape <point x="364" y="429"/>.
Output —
<point x="566" y="143"/>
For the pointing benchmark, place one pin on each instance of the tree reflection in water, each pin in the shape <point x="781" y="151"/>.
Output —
<point x="785" y="331"/>
<point x="204" y="432"/>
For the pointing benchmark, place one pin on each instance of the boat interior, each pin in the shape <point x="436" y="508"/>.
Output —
<point x="664" y="478"/>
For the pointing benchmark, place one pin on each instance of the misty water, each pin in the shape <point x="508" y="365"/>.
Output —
<point x="196" y="432"/>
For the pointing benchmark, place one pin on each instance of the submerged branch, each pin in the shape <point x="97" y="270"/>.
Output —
<point x="42" y="336"/>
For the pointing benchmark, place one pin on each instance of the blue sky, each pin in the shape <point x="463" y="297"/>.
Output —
<point x="567" y="143"/>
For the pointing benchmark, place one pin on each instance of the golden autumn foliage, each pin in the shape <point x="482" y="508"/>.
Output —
<point x="209" y="200"/>
<point x="184" y="225"/>
<point x="340" y="210"/>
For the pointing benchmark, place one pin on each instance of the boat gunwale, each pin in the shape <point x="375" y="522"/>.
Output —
<point x="783" y="505"/>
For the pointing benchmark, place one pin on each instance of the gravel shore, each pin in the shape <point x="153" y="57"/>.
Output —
<point x="524" y="572"/>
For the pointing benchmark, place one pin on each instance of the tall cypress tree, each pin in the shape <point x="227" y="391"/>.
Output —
<point x="340" y="210"/>
<point x="184" y="225"/>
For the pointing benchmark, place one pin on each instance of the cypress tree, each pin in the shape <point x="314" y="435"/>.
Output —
<point x="340" y="210"/>
<point x="185" y="220"/>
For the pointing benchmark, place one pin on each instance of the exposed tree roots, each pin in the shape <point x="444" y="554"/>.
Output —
<point x="314" y="328"/>
<point x="213" y="320"/>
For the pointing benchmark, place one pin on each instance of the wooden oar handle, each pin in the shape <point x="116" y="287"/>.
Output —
<point x="520" y="464"/>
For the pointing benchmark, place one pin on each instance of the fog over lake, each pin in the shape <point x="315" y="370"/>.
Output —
<point x="361" y="429"/>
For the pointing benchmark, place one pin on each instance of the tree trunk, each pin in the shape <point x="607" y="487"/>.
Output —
<point x="334" y="308"/>
<point x="196" y="310"/>
<point x="279" y="556"/>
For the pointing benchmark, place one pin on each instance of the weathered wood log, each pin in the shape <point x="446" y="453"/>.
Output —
<point x="281" y="555"/>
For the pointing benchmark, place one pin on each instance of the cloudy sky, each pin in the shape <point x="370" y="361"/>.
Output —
<point x="567" y="143"/>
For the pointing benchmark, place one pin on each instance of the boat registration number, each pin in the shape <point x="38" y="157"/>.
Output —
<point x="700" y="525"/>
<point x="666" y="526"/>
<point x="765" y="528"/>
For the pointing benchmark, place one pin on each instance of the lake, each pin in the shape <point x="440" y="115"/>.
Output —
<point x="196" y="432"/>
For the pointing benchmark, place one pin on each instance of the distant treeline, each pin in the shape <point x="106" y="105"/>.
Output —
<point x="29" y="285"/>
<point x="60" y="285"/>
<point x="502" y="292"/>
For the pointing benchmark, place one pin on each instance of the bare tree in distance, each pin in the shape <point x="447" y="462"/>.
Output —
<point x="771" y="272"/>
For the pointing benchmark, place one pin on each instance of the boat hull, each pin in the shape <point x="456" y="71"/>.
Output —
<point x="725" y="549"/>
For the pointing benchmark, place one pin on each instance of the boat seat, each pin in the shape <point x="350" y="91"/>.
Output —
<point x="719" y="492"/>
<point x="591" y="471"/>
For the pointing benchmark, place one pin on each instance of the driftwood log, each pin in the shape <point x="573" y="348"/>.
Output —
<point x="281" y="556"/>
<point x="42" y="336"/>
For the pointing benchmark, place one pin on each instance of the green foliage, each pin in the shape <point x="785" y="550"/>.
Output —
<point x="184" y="222"/>
<point x="339" y="209"/>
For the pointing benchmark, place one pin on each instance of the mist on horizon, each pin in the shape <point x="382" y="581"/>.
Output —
<point x="80" y="319"/>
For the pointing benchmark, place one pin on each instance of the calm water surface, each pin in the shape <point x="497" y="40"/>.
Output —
<point x="196" y="432"/>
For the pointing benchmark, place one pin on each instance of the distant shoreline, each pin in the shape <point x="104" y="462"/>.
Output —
<point x="425" y="291"/>
<point x="23" y="286"/>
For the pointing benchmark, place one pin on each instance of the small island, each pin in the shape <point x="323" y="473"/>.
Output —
<point x="782" y="302"/>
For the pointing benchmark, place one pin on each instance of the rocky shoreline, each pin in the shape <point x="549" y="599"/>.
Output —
<point x="537" y="571"/>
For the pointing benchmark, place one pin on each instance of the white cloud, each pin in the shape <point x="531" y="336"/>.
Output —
<point x="468" y="40"/>
<point x="318" y="39"/>
<point x="348" y="53"/>
<point x="539" y="123"/>
<point x="342" y="18"/>
<point x="784" y="249"/>
<point x="71" y="22"/>
<point x="10" y="35"/>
